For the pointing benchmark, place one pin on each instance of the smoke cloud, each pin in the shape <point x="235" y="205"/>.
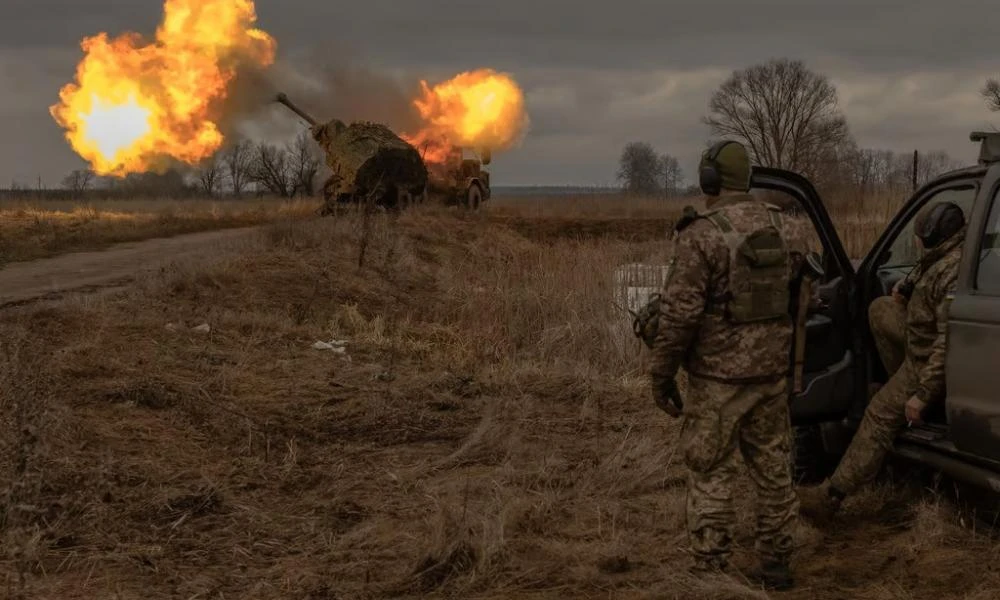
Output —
<point x="327" y="83"/>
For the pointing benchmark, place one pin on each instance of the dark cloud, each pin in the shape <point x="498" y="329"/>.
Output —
<point x="597" y="75"/>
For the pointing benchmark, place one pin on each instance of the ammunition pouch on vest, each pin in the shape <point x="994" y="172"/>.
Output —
<point x="646" y="322"/>
<point x="759" y="271"/>
<point x="759" y="274"/>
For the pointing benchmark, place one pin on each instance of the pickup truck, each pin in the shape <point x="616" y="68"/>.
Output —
<point x="961" y="436"/>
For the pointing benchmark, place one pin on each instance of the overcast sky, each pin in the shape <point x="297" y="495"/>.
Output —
<point x="597" y="75"/>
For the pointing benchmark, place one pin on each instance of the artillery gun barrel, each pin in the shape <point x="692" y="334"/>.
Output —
<point x="283" y="99"/>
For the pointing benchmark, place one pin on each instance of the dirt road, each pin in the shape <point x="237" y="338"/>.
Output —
<point x="50" y="278"/>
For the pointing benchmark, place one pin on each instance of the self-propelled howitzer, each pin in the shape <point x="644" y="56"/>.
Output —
<point x="368" y="163"/>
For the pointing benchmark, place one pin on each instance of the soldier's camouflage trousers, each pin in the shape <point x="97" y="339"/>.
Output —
<point x="886" y="413"/>
<point x="722" y="423"/>
<point x="884" y="418"/>
<point x="887" y="319"/>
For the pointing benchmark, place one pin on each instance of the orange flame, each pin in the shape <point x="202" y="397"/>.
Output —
<point x="479" y="109"/>
<point x="134" y="105"/>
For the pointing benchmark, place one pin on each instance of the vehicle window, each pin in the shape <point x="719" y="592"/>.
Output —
<point x="988" y="273"/>
<point x="904" y="251"/>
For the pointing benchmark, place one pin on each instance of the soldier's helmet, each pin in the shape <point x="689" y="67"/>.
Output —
<point x="725" y="166"/>
<point x="937" y="223"/>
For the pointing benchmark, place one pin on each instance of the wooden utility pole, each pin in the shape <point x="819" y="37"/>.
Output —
<point x="916" y="163"/>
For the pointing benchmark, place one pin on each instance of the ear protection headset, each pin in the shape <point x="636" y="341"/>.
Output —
<point x="708" y="173"/>
<point x="944" y="221"/>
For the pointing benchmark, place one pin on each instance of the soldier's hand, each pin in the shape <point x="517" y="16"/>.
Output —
<point x="915" y="411"/>
<point x="668" y="398"/>
<point x="898" y="297"/>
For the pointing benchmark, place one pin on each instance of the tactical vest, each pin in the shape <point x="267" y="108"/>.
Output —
<point x="758" y="271"/>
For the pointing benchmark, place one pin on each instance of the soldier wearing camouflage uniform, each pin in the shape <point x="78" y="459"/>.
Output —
<point x="910" y="331"/>
<point x="887" y="320"/>
<point x="737" y="400"/>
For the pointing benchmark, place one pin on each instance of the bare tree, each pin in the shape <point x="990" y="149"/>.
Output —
<point x="210" y="175"/>
<point x="639" y="169"/>
<point x="272" y="169"/>
<point x="871" y="169"/>
<point x="672" y="175"/>
<point x="787" y="115"/>
<point x="304" y="164"/>
<point x="832" y="165"/>
<point x="238" y="160"/>
<point x="991" y="92"/>
<point x="932" y="164"/>
<point x="78" y="181"/>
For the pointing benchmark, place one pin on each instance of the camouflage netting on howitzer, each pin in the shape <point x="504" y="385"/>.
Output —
<point x="365" y="155"/>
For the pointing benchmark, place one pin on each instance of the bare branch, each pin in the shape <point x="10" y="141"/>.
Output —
<point x="639" y="169"/>
<point x="672" y="175"/>
<point x="78" y="181"/>
<point x="304" y="158"/>
<point x="210" y="175"/>
<point x="991" y="92"/>
<point x="787" y="116"/>
<point x="238" y="161"/>
<point x="271" y="168"/>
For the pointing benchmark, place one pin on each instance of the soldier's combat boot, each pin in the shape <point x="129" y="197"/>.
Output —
<point x="773" y="575"/>
<point x="702" y="567"/>
<point x="820" y="503"/>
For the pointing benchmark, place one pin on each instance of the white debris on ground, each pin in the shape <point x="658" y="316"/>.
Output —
<point x="337" y="346"/>
<point x="636" y="282"/>
<point x="203" y="328"/>
<point x="633" y="285"/>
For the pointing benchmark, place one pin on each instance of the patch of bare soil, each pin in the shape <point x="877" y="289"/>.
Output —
<point x="50" y="278"/>
<point x="45" y="228"/>
<point x="485" y="434"/>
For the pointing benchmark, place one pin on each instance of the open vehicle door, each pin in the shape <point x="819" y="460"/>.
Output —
<point x="972" y="413"/>
<point x="960" y="436"/>
<point x="830" y="381"/>
<point x="895" y="254"/>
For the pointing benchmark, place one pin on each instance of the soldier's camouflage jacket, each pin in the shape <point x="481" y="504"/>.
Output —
<point x="706" y="344"/>
<point x="927" y="316"/>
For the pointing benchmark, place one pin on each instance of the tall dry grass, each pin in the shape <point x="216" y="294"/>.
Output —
<point x="38" y="229"/>
<point x="30" y="230"/>
<point x="860" y="217"/>
<point x="487" y="433"/>
<point x="589" y="206"/>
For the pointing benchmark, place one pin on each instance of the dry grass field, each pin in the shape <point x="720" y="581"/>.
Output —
<point x="38" y="229"/>
<point x="481" y="428"/>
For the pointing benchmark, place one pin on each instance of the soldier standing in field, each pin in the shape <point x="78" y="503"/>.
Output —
<point x="724" y="315"/>
<point x="910" y="331"/>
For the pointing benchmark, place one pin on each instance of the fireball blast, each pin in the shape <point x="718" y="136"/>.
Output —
<point x="139" y="105"/>
<point x="368" y="162"/>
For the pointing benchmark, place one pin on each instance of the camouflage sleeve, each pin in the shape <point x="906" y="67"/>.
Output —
<point x="799" y="234"/>
<point x="931" y="379"/>
<point x="804" y="236"/>
<point x="682" y="305"/>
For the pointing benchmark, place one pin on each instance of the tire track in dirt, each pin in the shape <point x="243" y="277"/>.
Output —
<point x="102" y="270"/>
